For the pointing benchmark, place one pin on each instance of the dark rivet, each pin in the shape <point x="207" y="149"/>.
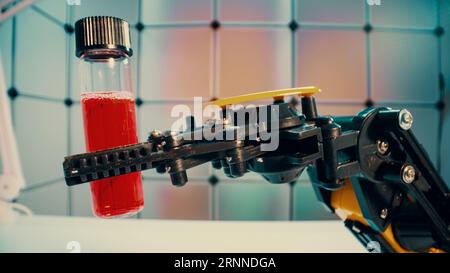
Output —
<point x="138" y="102"/>
<point x="68" y="28"/>
<point x="68" y="102"/>
<point x="213" y="180"/>
<point x="13" y="93"/>
<point x="367" y="28"/>
<point x="215" y="25"/>
<point x="439" y="31"/>
<point x="293" y="25"/>
<point x="369" y="103"/>
<point x="440" y="105"/>
<point x="139" y="26"/>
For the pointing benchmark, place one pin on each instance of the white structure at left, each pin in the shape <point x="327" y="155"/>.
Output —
<point x="11" y="178"/>
<point x="10" y="7"/>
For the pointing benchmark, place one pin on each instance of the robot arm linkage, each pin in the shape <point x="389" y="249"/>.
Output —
<point x="369" y="169"/>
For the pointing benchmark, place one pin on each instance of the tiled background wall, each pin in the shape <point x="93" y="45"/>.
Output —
<point x="396" y="54"/>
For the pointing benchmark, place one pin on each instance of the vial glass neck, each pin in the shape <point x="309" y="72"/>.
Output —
<point x="105" y="71"/>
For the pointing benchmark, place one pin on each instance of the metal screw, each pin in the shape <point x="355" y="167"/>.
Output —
<point x="405" y="119"/>
<point x="408" y="174"/>
<point x="384" y="213"/>
<point x="382" y="146"/>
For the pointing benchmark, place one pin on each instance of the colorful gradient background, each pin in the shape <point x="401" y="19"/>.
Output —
<point x="403" y="62"/>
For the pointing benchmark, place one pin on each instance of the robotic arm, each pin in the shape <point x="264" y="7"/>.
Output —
<point x="369" y="169"/>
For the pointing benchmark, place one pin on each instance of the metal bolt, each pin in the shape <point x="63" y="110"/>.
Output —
<point x="155" y="133"/>
<point x="384" y="213"/>
<point x="408" y="174"/>
<point x="161" y="145"/>
<point x="405" y="119"/>
<point x="382" y="146"/>
<point x="356" y="229"/>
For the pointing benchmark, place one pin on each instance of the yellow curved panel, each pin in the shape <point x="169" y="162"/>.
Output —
<point x="301" y="91"/>
<point x="346" y="206"/>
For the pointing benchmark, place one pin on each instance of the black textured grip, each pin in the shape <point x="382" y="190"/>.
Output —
<point x="89" y="167"/>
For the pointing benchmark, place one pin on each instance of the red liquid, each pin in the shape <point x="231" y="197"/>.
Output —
<point x="110" y="121"/>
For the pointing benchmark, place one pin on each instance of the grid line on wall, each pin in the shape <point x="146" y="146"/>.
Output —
<point x="12" y="92"/>
<point x="441" y="103"/>
<point x="293" y="26"/>
<point x="47" y="15"/>
<point x="367" y="29"/>
<point x="68" y="101"/>
<point x="214" y="82"/>
<point x="216" y="25"/>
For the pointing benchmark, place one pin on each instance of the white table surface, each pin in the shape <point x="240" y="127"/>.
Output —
<point x="52" y="234"/>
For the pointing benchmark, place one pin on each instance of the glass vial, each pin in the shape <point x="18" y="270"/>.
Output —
<point x="108" y="107"/>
